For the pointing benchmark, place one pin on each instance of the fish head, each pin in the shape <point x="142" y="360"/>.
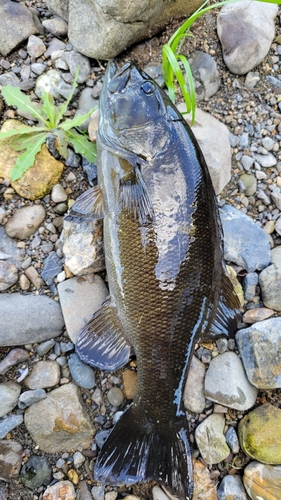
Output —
<point x="133" y="112"/>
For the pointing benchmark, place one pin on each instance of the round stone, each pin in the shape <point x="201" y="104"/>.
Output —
<point x="115" y="396"/>
<point x="25" y="221"/>
<point x="35" y="472"/>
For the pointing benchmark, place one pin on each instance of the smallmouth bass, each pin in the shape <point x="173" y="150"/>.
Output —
<point x="167" y="279"/>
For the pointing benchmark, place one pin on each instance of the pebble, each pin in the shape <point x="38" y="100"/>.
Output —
<point x="130" y="382"/>
<point x="80" y="298"/>
<point x="101" y="437"/>
<point x="78" y="459"/>
<point x="25" y="221"/>
<point x="34" y="277"/>
<point x="44" y="374"/>
<point x="250" y="283"/>
<point x="45" y="347"/>
<point x="98" y="492"/>
<point x="257" y="314"/>
<point x="8" y="246"/>
<point x="9" y="423"/>
<point x="57" y="26"/>
<point x="158" y="494"/>
<point x="35" y="46"/>
<point x="14" y="357"/>
<point x="115" y="396"/>
<point x="247" y="162"/>
<point x="61" y="490"/>
<point x="38" y="318"/>
<point x="260" y="434"/>
<point x="211" y="440"/>
<point x="82" y="374"/>
<point x="58" y="194"/>
<point x="231" y="488"/>
<point x="9" y="394"/>
<point x="83" y="492"/>
<point x="260" y="350"/>
<point x="66" y="422"/>
<point x="193" y="395"/>
<point x="250" y="183"/>
<point x="266" y="160"/>
<point x="204" y="487"/>
<point x="232" y="439"/>
<point x="53" y="265"/>
<point x="269" y="280"/>
<point x="111" y="495"/>
<point x="35" y="472"/>
<point x="28" y="398"/>
<point x="74" y="60"/>
<point x="8" y="275"/>
<point x="262" y="481"/>
<point x="240" y="395"/>
<point x="10" y="459"/>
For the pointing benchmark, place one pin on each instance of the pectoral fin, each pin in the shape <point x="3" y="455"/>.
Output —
<point x="134" y="197"/>
<point x="89" y="204"/>
<point x="101" y="342"/>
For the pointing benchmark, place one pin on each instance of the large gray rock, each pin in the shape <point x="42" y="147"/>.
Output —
<point x="205" y="73"/>
<point x="211" y="440"/>
<point x="16" y="25"/>
<point x="270" y="283"/>
<point x="246" y="30"/>
<point x="101" y="29"/>
<point x="27" y="319"/>
<point x="213" y="139"/>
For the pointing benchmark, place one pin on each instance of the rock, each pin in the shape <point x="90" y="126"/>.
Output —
<point x="9" y="78"/>
<point x="9" y="394"/>
<point x="204" y="487"/>
<point x="115" y="396"/>
<point x="58" y="193"/>
<point x="44" y="374"/>
<point x="8" y="275"/>
<point x="250" y="283"/>
<point x="49" y="82"/>
<point x="262" y="481"/>
<point x="226" y="383"/>
<point x="210" y="439"/>
<point x="10" y="459"/>
<point x="80" y="298"/>
<point x="231" y="488"/>
<point x="205" y="73"/>
<point x="101" y="31"/>
<point x="232" y="439"/>
<point x="252" y="78"/>
<point x="260" y="434"/>
<point x="61" y="490"/>
<point x="75" y="59"/>
<point x="276" y="196"/>
<point x="14" y="357"/>
<point x="53" y="265"/>
<point x="39" y="179"/>
<point x="267" y="160"/>
<point x="16" y="25"/>
<point x="93" y="125"/>
<point x="28" y="398"/>
<point x="250" y="183"/>
<point x="83" y="245"/>
<point x="35" y="472"/>
<point x="33" y="276"/>
<point x="101" y="437"/>
<point x="209" y="131"/>
<point x="82" y="374"/>
<point x="38" y="318"/>
<point x="130" y="383"/>
<point x="245" y="243"/>
<point x="66" y="423"/>
<point x="9" y="423"/>
<point x="57" y="26"/>
<point x="247" y="162"/>
<point x="45" y="347"/>
<point x="9" y="247"/>
<point x="78" y="459"/>
<point x="158" y="494"/>
<point x="54" y="46"/>
<point x="25" y="222"/>
<point x="257" y="314"/>
<point x="193" y="395"/>
<point x="260" y="350"/>
<point x="246" y="31"/>
<point x="85" y="104"/>
<point x="35" y="46"/>
<point x="98" y="492"/>
<point x="270" y="283"/>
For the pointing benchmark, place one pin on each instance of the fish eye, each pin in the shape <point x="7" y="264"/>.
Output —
<point x="148" y="88"/>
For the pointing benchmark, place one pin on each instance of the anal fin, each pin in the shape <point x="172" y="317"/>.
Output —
<point x="101" y="342"/>
<point x="89" y="204"/>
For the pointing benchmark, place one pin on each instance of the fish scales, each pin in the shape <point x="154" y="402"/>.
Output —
<point x="167" y="281"/>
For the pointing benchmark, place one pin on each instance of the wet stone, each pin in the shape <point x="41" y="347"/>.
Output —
<point x="35" y="472"/>
<point x="260" y="434"/>
<point x="10" y="459"/>
<point x="262" y="481"/>
<point x="231" y="488"/>
<point x="260" y="350"/>
<point x="53" y="265"/>
<point x="82" y="374"/>
<point x="211" y="440"/>
<point x="238" y="394"/>
<point x="9" y="423"/>
<point x="193" y="395"/>
<point x="14" y="357"/>
<point x="44" y="374"/>
<point x="9" y="394"/>
<point x="28" y="398"/>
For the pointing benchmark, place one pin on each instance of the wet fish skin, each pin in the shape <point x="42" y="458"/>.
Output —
<point x="168" y="287"/>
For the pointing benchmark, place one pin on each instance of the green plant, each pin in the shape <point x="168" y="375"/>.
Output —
<point x="173" y="61"/>
<point x="51" y="119"/>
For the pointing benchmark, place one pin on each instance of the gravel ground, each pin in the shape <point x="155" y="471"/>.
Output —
<point x="234" y="105"/>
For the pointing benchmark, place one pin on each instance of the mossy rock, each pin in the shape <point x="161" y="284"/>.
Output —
<point x="260" y="434"/>
<point x="40" y="178"/>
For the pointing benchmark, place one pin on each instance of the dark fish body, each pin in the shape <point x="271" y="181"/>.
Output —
<point x="168" y="286"/>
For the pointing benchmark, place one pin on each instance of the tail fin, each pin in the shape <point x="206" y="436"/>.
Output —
<point x="136" y="452"/>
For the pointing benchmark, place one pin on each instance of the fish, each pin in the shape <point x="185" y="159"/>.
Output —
<point x="167" y="278"/>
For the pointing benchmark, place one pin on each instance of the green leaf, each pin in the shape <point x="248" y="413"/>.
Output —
<point x="26" y="159"/>
<point x="14" y="97"/>
<point x="20" y="131"/>
<point x="192" y="93"/>
<point x="49" y="108"/>
<point x="63" y="107"/>
<point x="24" y="141"/>
<point x="77" y="121"/>
<point x="82" y="145"/>
<point x="62" y="142"/>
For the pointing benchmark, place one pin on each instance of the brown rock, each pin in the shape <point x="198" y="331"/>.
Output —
<point x="259" y="314"/>
<point x="63" y="490"/>
<point x="262" y="481"/>
<point x="130" y="384"/>
<point x="10" y="459"/>
<point x="40" y="178"/>
<point x="32" y="275"/>
<point x="204" y="487"/>
<point x="44" y="374"/>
